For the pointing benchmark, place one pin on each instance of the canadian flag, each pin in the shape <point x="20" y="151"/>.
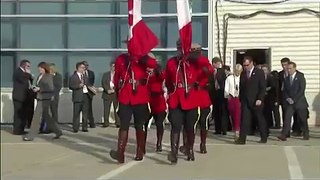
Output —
<point x="184" y="23"/>
<point x="141" y="39"/>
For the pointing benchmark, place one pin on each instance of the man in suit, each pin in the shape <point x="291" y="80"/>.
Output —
<point x="294" y="101"/>
<point x="271" y="107"/>
<point x="57" y="83"/>
<point x="217" y="83"/>
<point x="282" y="75"/>
<point x="252" y="92"/>
<point x="91" y="78"/>
<point x="21" y="91"/>
<point x="109" y="96"/>
<point x="81" y="97"/>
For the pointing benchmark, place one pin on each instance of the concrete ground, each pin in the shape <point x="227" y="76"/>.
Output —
<point x="85" y="156"/>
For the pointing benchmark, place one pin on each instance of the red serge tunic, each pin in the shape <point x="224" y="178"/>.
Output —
<point x="128" y="72"/>
<point x="176" y="88"/>
<point x="157" y="100"/>
<point x="205" y="69"/>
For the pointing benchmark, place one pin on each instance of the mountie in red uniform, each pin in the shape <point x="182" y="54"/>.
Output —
<point x="157" y="100"/>
<point x="206" y="70"/>
<point x="204" y="102"/>
<point x="131" y="80"/>
<point x="181" y="81"/>
<point x="157" y="104"/>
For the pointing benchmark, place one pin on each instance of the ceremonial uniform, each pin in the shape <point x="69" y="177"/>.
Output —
<point x="204" y="99"/>
<point x="131" y="81"/>
<point x="181" y="77"/>
<point x="204" y="69"/>
<point x="157" y="104"/>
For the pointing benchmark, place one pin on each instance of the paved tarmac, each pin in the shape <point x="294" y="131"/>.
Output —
<point x="85" y="156"/>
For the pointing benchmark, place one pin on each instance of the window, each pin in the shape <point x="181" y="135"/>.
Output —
<point x="41" y="33"/>
<point x="7" y="69"/>
<point x="91" y="7"/>
<point x="41" y="7"/>
<point x="98" y="63"/>
<point x="7" y="7"/>
<point x="7" y="30"/>
<point x="93" y="33"/>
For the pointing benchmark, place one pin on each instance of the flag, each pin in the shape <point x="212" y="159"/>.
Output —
<point x="141" y="39"/>
<point x="184" y="23"/>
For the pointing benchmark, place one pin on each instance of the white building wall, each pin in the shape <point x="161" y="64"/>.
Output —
<point x="295" y="36"/>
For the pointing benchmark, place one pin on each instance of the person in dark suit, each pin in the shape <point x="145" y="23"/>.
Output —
<point x="31" y="96"/>
<point x="45" y="91"/>
<point x="271" y="106"/>
<point x="252" y="92"/>
<point x="109" y="96"/>
<point x="282" y="75"/>
<point x="217" y="83"/>
<point x="57" y="83"/>
<point x="20" y="95"/>
<point x="294" y="101"/>
<point x="91" y="78"/>
<point x="81" y="97"/>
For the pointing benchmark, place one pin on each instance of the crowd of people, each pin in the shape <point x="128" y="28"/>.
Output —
<point x="190" y="91"/>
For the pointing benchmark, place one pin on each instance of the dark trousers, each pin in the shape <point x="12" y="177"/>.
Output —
<point x="203" y="119"/>
<point x="19" y="116"/>
<point x="140" y="115"/>
<point x="54" y="108"/>
<point x="84" y="108"/>
<point x="247" y="114"/>
<point x="111" y="99"/>
<point x="42" y="111"/>
<point x="159" y="119"/>
<point x="179" y="117"/>
<point x="90" y="113"/>
<point x="295" y="125"/>
<point x="302" y="116"/>
<point x="272" y="114"/>
<point x="29" y="111"/>
<point x="220" y="113"/>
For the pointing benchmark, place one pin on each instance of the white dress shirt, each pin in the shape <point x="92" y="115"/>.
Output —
<point x="111" y="80"/>
<point x="232" y="82"/>
<point x="85" y="89"/>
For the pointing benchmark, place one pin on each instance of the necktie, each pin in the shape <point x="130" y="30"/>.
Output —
<point x="248" y="74"/>
<point x="291" y="80"/>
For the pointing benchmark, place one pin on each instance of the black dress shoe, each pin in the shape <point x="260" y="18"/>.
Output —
<point x="85" y="130"/>
<point x="19" y="133"/>
<point x="240" y="141"/>
<point x="27" y="139"/>
<point x="57" y="136"/>
<point x="92" y="126"/>
<point x="224" y="133"/>
<point x="296" y="134"/>
<point x="282" y="138"/>
<point x="262" y="141"/>
<point x="183" y="150"/>
<point x="217" y="132"/>
<point x="306" y="136"/>
<point x="117" y="125"/>
<point x="105" y="125"/>
<point x="75" y="131"/>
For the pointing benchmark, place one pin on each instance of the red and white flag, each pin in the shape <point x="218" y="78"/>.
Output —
<point x="141" y="39"/>
<point x="184" y="23"/>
